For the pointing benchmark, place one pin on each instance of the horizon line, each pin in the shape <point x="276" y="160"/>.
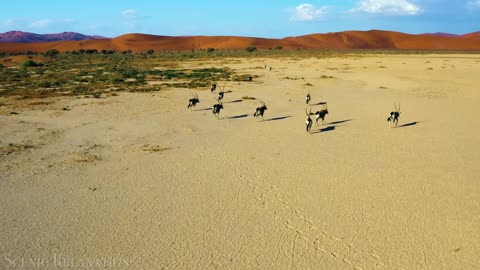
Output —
<point x="201" y="35"/>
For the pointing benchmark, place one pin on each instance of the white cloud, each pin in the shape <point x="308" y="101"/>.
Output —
<point x="130" y="14"/>
<point x="131" y="18"/>
<point x="389" y="7"/>
<point x="12" y="24"/>
<point x="41" y="23"/>
<point x="474" y="3"/>
<point x="9" y="23"/>
<point x="307" y="12"/>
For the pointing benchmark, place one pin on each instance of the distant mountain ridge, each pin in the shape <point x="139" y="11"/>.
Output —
<point x="347" y="40"/>
<point x="441" y="34"/>
<point x="26" y="37"/>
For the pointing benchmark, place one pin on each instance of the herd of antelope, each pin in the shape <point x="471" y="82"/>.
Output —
<point x="259" y="112"/>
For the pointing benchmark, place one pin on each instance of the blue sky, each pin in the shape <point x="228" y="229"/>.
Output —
<point x="260" y="18"/>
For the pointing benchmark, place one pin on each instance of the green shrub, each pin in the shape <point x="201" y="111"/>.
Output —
<point x="80" y="89"/>
<point x="52" y="53"/>
<point x="251" y="49"/>
<point x="116" y="79"/>
<point x="44" y="84"/>
<point x="29" y="63"/>
<point x="242" y="78"/>
<point x="140" y="78"/>
<point x="49" y="83"/>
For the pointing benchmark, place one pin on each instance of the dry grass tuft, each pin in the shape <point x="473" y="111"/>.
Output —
<point x="154" y="148"/>
<point x="13" y="148"/>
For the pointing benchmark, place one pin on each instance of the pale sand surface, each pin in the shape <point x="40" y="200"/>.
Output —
<point x="139" y="182"/>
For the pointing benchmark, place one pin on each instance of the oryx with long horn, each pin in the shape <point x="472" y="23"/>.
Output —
<point x="260" y="110"/>
<point x="393" y="118"/>
<point x="217" y="107"/>
<point x="309" y="120"/>
<point x="321" y="114"/>
<point x="213" y="87"/>
<point x="193" y="101"/>
<point x="221" y="94"/>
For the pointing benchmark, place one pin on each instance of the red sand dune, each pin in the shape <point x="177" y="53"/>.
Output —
<point x="473" y="35"/>
<point x="374" y="39"/>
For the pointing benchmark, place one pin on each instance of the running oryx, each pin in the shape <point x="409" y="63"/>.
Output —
<point x="217" y="107"/>
<point x="393" y="118"/>
<point x="213" y="87"/>
<point x="309" y="121"/>
<point x="193" y="101"/>
<point x="321" y="114"/>
<point x="260" y="110"/>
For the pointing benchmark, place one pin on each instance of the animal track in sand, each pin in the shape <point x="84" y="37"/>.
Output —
<point x="154" y="148"/>
<point x="303" y="227"/>
<point x="88" y="154"/>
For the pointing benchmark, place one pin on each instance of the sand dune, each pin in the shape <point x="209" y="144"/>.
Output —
<point x="374" y="39"/>
<point x="137" y="181"/>
<point x="473" y="35"/>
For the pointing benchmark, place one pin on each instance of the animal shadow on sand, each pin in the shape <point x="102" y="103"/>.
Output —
<point x="325" y="129"/>
<point x="339" y="122"/>
<point x="409" y="124"/>
<point x="234" y="101"/>
<point x="237" y="116"/>
<point x="331" y="126"/>
<point x="318" y="103"/>
<point x="277" y="118"/>
<point x="205" y="109"/>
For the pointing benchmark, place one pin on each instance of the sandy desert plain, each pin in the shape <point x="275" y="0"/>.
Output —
<point x="134" y="180"/>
